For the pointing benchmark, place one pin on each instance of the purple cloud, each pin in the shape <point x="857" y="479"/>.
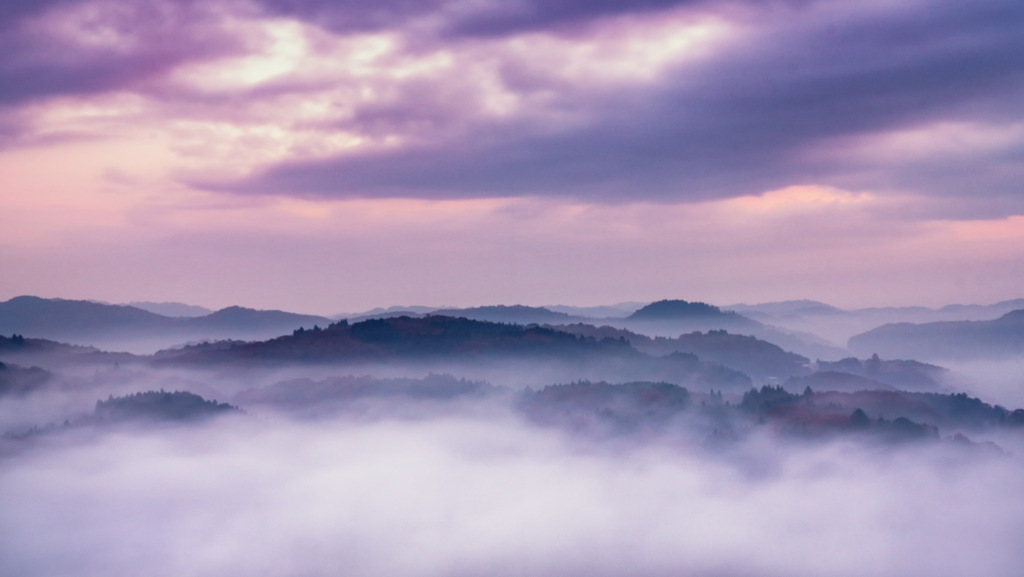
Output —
<point x="744" y="120"/>
<point x="460" y="19"/>
<point x="75" y="47"/>
<point x="777" y="103"/>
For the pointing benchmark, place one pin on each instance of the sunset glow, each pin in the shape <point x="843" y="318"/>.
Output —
<point x="587" y="143"/>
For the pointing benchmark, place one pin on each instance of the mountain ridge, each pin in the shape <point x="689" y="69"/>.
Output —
<point x="999" y="338"/>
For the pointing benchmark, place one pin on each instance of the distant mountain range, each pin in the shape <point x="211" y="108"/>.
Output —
<point x="667" y="318"/>
<point x="121" y="327"/>
<point x="664" y="311"/>
<point x="839" y="325"/>
<point x="785" y="308"/>
<point x="171" y="309"/>
<point x="999" y="338"/>
<point x="714" y="358"/>
<point x="757" y="358"/>
<point x="552" y="367"/>
<point x="518" y="314"/>
<point x="672" y="318"/>
<point x="441" y="341"/>
<point x="140" y="331"/>
<point x="406" y="337"/>
<point x="808" y="308"/>
<point x="618" y="310"/>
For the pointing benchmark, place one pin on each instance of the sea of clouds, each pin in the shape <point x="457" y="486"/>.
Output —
<point x="490" y="495"/>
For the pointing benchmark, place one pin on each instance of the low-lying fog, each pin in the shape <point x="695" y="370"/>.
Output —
<point x="483" y="493"/>
<point x="474" y="480"/>
<point x="996" y="381"/>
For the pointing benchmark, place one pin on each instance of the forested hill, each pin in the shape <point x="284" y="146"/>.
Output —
<point x="409" y="338"/>
<point x="681" y="310"/>
<point x="755" y="357"/>
<point x="177" y="406"/>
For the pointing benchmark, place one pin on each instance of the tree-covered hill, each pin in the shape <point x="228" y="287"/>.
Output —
<point x="757" y="358"/>
<point x="160" y="406"/>
<point x="412" y="338"/>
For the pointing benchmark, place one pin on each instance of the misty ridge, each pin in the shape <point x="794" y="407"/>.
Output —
<point x="668" y="438"/>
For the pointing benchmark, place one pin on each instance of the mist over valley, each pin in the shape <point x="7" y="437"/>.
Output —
<point x="503" y="439"/>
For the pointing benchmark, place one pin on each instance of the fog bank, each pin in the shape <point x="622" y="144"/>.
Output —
<point x="469" y="496"/>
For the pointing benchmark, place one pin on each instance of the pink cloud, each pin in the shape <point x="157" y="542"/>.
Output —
<point x="573" y="154"/>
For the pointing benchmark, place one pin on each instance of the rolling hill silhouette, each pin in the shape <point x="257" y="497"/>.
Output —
<point x="126" y="327"/>
<point x="999" y="338"/>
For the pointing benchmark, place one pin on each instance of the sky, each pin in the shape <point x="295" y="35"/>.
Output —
<point x="328" y="157"/>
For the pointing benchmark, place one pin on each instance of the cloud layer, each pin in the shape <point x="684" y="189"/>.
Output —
<point x="784" y="95"/>
<point x="456" y="126"/>
<point x="464" y="497"/>
<point x="660" y="100"/>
